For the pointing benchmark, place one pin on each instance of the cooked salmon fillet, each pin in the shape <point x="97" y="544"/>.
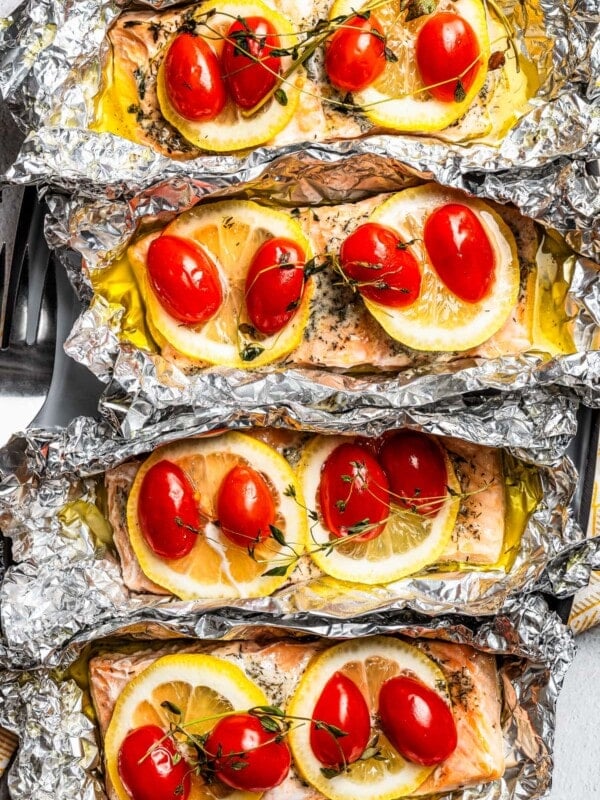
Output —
<point x="277" y="667"/>
<point x="341" y="333"/>
<point x="139" y="39"/>
<point x="477" y="539"/>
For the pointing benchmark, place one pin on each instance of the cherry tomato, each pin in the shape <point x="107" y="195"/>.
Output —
<point x="460" y="251"/>
<point x="249" y="69"/>
<point x="245" y="506"/>
<point x="341" y="703"/>
<point x="193" y="79"/>
<point x="265" y="762"/>
<point x="447" y="53"/>
<point x="185" y="279"/>
<point x="154" y="777"/>
<point x="167" y="510"/>
<point x="274" y="284"/>
<point x="353" y="489"/>
<point x="416" y="720"/>
<point x="385" y="270"/>
<point x="416" y="470"/>
<point x="355" y="54"/>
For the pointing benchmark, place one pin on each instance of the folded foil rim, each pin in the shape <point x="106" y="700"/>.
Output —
<point x="64" y="581"/>
<point x="59" y="756"/>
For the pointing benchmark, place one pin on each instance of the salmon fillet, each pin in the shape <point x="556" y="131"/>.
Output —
<point x="477" y="539"/>
<point x="277" y="668"/>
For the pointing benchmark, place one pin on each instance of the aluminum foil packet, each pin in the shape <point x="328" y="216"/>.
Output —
<point x="59" y="754"/>
<point x="67" y="576"/>
<point x="143" y="386"/>
<point x="51" y="74"/>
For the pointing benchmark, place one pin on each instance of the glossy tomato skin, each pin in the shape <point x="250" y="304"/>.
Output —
<point x="341" y="703"/>
<point x="416" y="471"/>
<point x="274" y="284"/>
<point x="267" y="762"/>
<point x="386" y="271"/>
<point x="185" y="279"/>
<point x="460" y="251"/>
<point x="446" y="48"/>
<point x="245" y="507"/>
<point x="417" y="721"/>
<point x="355" y="54"/>
<point x="193" y="79"/>
<point x="353" y="488"/>
<point x="156" y="777"/>
<point x="249" y="41"/>
<point x="167" y="509"/>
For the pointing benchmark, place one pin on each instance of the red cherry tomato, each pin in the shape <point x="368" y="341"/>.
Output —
<point x="249" y="69"/>
<point x="417" y="721"/>
<point x="184" y="278"/>
<point x="386" y="272"/>
<point x="274" y="284"/>
<point x="416" y="470"/>
<point x="265" y="762"/>
<point x="167" y="510"/>
<point x="448" y="54"/>
<point x="155" y="776"/>
<point x="245" y="507"/>
<point x="193" y="79"/>
<point x="353" y="489"/>
<point x="341" y="703"/>
<point x="355" y="54"/>
<point x="460" y="251"/>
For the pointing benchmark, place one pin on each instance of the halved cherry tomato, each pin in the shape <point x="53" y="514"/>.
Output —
<point x="385" y="270"/>
<point x="249" y="69"/>
<point x="265" y="762"/>
<point x="416" y="720"/>
<point x="184" y="278"/>
<point x="168" y="511"/>
<point x="342" y="704"/>
<point x="245" y="507"/>
<point x="274" y="284"/>
<point x="355" y="54"/>
<point x="416" y="470"/>
<point x="193" y="79"/>
<point x="460" y="251"/>
<point x="448" y="56"/>
<point x="353" y="491"/>
<point x="155" y="775"/>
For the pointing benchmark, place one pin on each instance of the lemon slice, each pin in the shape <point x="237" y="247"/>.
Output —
<point x="232" y="130"/>
<point x="215" y="567"/>
<point x="200" y="686"/>
<point x="231" y="232"/>
<point x="396" y="99"/>
<point x="369" y="662"/>
<point x="408" y="542"/>
<point x="439" y="320"/>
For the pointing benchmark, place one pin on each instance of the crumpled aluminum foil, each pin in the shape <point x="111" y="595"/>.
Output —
<point x="143" y="386"/>
<point x="66" y="578"/>
<point x="50" y="60"/>
<point x="58" y="756"/>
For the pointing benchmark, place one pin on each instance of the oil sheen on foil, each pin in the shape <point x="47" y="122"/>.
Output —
<point x="67" y="578"/>
<point x="59" y="755"/>
<point x="59" y="48"/>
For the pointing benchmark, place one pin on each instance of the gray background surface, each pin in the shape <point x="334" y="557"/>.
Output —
<point x="577" y="756"/>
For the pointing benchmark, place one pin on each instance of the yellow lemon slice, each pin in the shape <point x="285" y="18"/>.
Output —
<point x="199" y="686"/>
<point x="408" y="543"/>
<point x="397" y="99"/>
<point x="369" y="662"/>
<point x="231" y="232"/>
<point x="231" y="129"/>
<point x="439" y="320"/>
<point x="216" y="567"/>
